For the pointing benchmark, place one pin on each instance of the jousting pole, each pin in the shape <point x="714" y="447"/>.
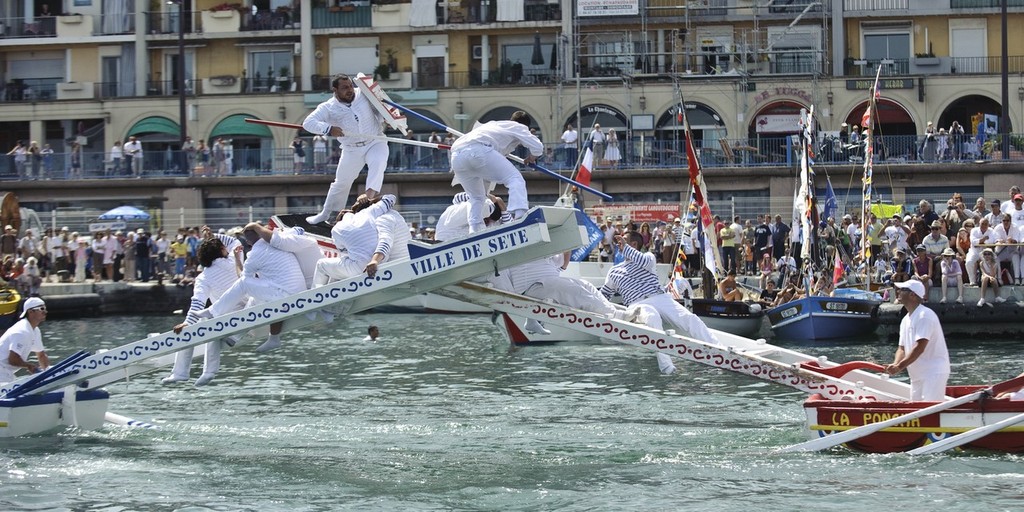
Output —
<point x="379" y="137"/>
<point x="514" y="158"/>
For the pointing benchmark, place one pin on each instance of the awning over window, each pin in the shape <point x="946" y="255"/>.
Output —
<point x="155" y="124"/>
<point x="236" y="126"/>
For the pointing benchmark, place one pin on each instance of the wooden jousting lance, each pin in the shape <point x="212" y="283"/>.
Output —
<point x="514" y="158"/>
<point x="410" y="142"/>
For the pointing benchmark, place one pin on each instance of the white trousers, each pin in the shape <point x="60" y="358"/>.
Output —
<point x="572" y="292"/>
<point x="680" y="317"/>
<point x="928" y="387"/>
<point x="211" y="360"/>
<point x="333" y="269"/>
<point x="475" y="166"/>
<point x="973" y="258"/>
<point x="374" y="156"/>
<point x="260" y="290"/>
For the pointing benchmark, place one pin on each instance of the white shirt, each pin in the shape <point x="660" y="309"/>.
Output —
<point x="569" y="137"/>
<point x="133" y="148"/>
<point x="116" y="152"/>
<point x="58" y="248"/>
<point x="211" y="283"/>
<point x="980" y="237"/>
<point x="22" y="339"/>
<point x="354" y="119"/>
<point x="392" y="236"/>
<point x="924" y="324"/>
<point x="356" y="233"/>
<point x="274" y="266"/>
<point x="525" y="275"/>
<point x="502" y="136"/>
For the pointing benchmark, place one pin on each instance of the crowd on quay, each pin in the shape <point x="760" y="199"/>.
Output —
<point x="948" y="249"/>
<point x="66" y="256"/>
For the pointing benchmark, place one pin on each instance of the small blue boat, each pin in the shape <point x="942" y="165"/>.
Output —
<point x="824" y="318"/>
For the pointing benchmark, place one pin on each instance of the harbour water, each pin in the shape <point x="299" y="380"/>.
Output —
<point x="439" y="414"/>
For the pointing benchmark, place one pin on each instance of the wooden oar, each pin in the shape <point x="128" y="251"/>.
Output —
<point x="829" y="441"/>
<point x="971" y="435"/>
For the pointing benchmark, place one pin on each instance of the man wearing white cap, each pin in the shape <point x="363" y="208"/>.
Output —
<point x="922" y="351"/>
<point x="21" y="340"/>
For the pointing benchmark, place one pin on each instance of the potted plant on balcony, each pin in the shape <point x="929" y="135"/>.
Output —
<point x="392" y="60"/>
<point x="283" y="76"/>
<point x="926" y="59"/>
<point x="382" y="72"/>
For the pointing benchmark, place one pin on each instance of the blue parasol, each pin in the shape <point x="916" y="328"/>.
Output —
<point x="125" y="213"/>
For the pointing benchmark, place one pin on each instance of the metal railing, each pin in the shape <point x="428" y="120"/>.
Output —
<point x="160" y="161"/>
<point x="30" y="89"/>
<point x="20" y="27"/>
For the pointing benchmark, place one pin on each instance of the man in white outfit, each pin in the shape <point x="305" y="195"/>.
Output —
<point x="542" y="279"/>
<point x="478" y="158"/>
<point x="221" y="259"/>
<point x="636" y="280"/>
<point x="350" y="117"/>
<point x="361" y="244"/>
<point x="268" y="274"/>
<point x="21" y="339"/>
<point x="454" y="221"/>
<point x="922" y="350"/>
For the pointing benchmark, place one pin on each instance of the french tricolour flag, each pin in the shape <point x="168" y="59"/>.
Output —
<point x="585" y="167"/>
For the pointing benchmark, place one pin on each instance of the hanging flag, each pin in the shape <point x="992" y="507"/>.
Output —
<point x="707" y="221"/>
<point x="594" y="236"/>
<point x="837" y="272"/>
<point x="831" y="205"/>
<point x="583" y="176"/>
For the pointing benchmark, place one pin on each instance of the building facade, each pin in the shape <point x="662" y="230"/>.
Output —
<point x="98" y="71"/>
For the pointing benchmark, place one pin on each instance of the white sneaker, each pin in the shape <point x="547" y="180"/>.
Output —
<point x="1000" y="299"/>
<point x="959" y="300"/>
<point x="535" y="327"/>
<point x="172" y="379"/>
<point x="981" y="302"/>
<point x="943" y="301"/>
<point x="204" y="379"/>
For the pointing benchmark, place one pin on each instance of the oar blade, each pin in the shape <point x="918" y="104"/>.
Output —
<point x="967" y="437"/>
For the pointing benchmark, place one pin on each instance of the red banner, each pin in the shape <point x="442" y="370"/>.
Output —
<point x="639" y="213"/>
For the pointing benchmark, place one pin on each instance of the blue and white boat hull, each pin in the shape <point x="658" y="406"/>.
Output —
<point x="823" y="318"/>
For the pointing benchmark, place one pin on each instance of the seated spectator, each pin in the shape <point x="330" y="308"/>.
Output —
<point x="767" y="266"/>
<point x="729" y="289"/>
<point x="769" y="294"/>
<point x="989" y="276"/>
<point x="952" y="275"/>
<point x="921" y="269"/>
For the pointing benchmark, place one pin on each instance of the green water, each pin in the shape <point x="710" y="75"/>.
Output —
<point x="442" y="415"/>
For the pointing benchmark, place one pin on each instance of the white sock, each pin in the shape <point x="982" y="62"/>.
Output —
<point x="273" y="341"/>
<point x="204" y="379"/>
<point x="318" y="218"/>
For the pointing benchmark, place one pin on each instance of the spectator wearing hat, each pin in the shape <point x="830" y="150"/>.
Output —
<point x="1017" y="211"/>
<point x="980" y="236"/>
<point x="995" y="214"/>
<point x="929" y="145"/>
<point x="989" y="276"/>
<point x="22" y="339"/>
<point x="952" y="275"/>
<point x="935" y="243"/>
<point x="921" y="268"/>
<point x="922" y="349"/>
<point x="9" y="242"/>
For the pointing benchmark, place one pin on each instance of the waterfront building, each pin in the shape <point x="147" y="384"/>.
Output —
<point x="94" y="72"/>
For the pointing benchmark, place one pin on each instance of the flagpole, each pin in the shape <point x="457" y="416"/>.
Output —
<point x="867" y="179"/>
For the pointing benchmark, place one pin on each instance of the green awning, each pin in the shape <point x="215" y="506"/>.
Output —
<point x="155" y="124"/>
<point x="237" y="127"/>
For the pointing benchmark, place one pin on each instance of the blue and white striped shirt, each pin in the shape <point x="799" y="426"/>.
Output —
<point x="634" y="279"/>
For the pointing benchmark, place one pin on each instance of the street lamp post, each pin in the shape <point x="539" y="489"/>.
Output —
<point x="181" y="83"/>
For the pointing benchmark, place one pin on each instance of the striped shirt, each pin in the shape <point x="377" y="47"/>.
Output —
<point x="634" y="279"/>
<point x="392" y="236"/>
<point x="274" y="266"/>
<point x="211" y="283"/>
<point x="356" y="233"/>
<point x="526" y="275"/>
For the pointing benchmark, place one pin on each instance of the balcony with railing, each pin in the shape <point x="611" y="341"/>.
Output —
<point x="342" y="16"/>
<point x="20" y="27"/>
<point x="30" y="89"/>
<point x="927" y="65"/>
